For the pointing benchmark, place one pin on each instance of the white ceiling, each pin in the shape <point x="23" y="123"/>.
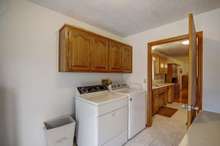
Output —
<point x="126" y="17"/>
<point x="174" y="49"/>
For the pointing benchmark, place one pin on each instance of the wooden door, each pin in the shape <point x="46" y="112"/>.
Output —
<point x="115" y="57"/>
<point x="126" y="59"/>
<point x="99" y="54"/>
<point x="193" y="72"/>
<point x="80" y="45"/>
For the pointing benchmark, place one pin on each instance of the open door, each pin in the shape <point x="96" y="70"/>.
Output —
<point x="193" y="73"/>
<point x="195" y="76"/>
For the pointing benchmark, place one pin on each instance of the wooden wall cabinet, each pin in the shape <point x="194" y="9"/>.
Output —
<point x="74" y="54"/>
<point x="84" y="51"/>
<point x="80" y="45"/>
<point x="126" y="59"/>
<point x="99" y="55"/>
<point x="115" y="57"/>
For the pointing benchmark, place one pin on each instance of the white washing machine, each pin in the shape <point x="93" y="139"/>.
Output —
<point x="102" y="117"/>
<point x="136" y="108"/>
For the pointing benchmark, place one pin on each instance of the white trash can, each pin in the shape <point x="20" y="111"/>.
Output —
<point x="60" y="132"/>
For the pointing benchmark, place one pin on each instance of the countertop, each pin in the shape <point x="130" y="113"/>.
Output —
<point x="205" y="131"/>
<point x="162" y="85"/>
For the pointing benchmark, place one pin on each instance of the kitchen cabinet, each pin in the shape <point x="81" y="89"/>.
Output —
<point x="99" y="55"/>
<point x="160" y="98"/>
<point x="156" y="104"/>
<point x="80" y="45"/>
<point x="170" y="93"/>
<point x="176" y="90"/>
<point x="75" y="53"/>
<point x="84" y="51"/>
<point x="126" y="59"/>
<point x="115" y="57"/>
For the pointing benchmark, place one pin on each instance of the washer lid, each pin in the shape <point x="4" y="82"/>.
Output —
<point x="102" y="97"/>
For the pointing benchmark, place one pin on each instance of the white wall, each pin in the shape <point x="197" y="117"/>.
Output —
<point x="208" y="22"/>
<point x="31" y="88"/>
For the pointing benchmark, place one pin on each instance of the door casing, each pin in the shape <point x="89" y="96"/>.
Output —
<point x="199" y="36"/>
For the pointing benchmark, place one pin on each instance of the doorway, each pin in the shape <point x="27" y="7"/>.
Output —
<point x="171" y="72"/>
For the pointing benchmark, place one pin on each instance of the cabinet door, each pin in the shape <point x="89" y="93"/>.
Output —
<point x="171" y="93"/>
<point x="80" y="44"/>
<point x="115" y="57"/>
<point x="155" y="101"/>
<point x="99" y="55"/>
<point x="126" y="58"/>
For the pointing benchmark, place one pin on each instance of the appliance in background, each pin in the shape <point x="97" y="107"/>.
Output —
<point x="102" y="117"/>
<point x="136" y="107"/>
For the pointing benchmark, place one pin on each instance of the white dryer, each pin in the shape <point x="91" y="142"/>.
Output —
<point x="136" y="108"/>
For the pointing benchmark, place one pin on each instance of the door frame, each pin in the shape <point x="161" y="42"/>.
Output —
<point x="199" y="35"/>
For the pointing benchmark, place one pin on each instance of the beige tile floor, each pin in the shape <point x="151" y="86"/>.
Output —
<point x="164" y="131"/>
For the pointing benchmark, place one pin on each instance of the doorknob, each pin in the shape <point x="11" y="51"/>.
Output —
<point x="190" y="107"/>
<point x="184" y="106"/>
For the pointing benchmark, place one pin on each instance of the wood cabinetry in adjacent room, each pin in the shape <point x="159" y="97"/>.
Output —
<point x="160" y="98"/>
<point x="170" y="93"/>
<point x="84" y="51"/>
<point x="156" y="103"/>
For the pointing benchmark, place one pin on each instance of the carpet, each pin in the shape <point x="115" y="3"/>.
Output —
<point x="167" y="111"/>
